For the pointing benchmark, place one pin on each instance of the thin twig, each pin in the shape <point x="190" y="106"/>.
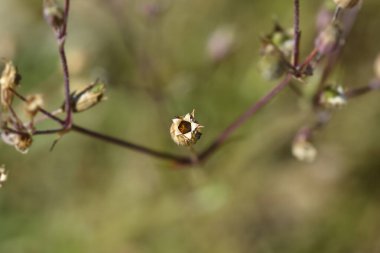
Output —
<point x="243" y="118"/>
<point x="297" y="33"/>
<point x="109" y="139"/>
<point x="356" y="92"/>
<point x="61" y="42"/>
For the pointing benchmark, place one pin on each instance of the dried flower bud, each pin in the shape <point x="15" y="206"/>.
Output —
<point x="88" y="97"/>
<point x="333" y="97"/>
<point x="282" y="39"/>
<point x="272" y="63"/>
<point x="377" y="67"/>
<point x="329" y="38"/>
<point x="53" y="14"/>
<point x="304" y="151"/>
<point x="185" y="130"/>
<point x="9" y="80"/>
<point x="21" y="142"/>
<point x="3" y="175"/>
<point x="344" y="4"/>
<point x="220" y="43"/>
<point x="24" y="142"/>
<point x="33" y="104"/>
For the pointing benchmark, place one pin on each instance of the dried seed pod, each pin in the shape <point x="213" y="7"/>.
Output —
<point x="53" y="14"/>
<point x="87" y="98"/>
<point x="33" y="104"/>
<point x="185" y="130"/>
<point x="9" y="80"/>
<point x="21" y="142"/>
<point x="24" y="142"/>
<point x="333" y="97"/>
<point x="304" y="150"/>
<point x="329" y="38"/>
<point x="346" y="4"/>
<point x="3" y="175"/>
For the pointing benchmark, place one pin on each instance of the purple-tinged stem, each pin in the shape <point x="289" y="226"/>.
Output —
<point x="297" y="34"/>
<point x="109" y="139"/>
<point x="61" y="42"/>
<point x="356" y="92"/>
<point x="243" y="118"/>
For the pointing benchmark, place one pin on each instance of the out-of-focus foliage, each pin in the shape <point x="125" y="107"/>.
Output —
<point x="252" y="196"/>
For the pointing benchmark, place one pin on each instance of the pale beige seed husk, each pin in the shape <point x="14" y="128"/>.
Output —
<point x="346" y="4"/>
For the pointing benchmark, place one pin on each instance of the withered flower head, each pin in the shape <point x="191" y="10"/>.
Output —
<point x="88" y="97"/>
<point x="185" y="130"/>
<point x="9" y="80"/>
<point x="3" y="175"/>
<point x="21" y="142"/>
<point x="53" y="14"/>
<point x="333" y="97"/>
<point x="32" y="105"/>
<point x="346" y="3"/>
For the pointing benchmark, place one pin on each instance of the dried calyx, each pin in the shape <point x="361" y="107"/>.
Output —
<point x="9" y="80"/>
<point x="185" y="130"/>
<point x="53" y="14"/>
<point x="332" y="97"/>
<point x="21" y="141"/>
<point x="82" y="100"/>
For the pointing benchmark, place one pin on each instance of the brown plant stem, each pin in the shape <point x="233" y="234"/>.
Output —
<point x="107" y="138"/>
<point x="297" y="33"/>
<point x="356" y="92"/>
<point x="252" y="110"/>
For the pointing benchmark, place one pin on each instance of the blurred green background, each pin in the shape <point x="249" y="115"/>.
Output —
<point x="251" y="196"/>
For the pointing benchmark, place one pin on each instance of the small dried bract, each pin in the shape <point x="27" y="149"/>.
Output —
<point x="3" y="175"/>
<point x="304" y="150"/>
<point x="9" y="80"/>
<point x="329" y="38"/>
<point x="88" y="97"/>
<point x="33" y="104"/>
<point x="21" y="142"/>
<point x="344" y="4"/>
<point x="333" y="97"/>
<point x="185" y="130"/>
<point x="53" y="14"/>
